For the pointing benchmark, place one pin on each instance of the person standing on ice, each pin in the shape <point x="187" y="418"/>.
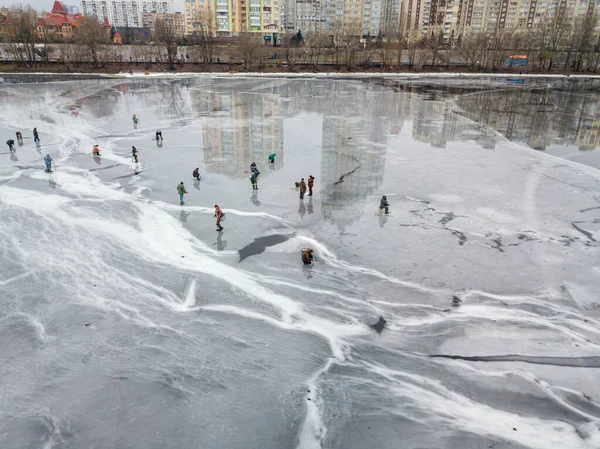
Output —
<point x="36" y="136"/>
<point x="134" y="154"/>
<point x="135" y="119"/>
<point x="218" y="215"/>
<point x="181" y="190"/>
<point x="384" y="205"/>
<point x="19" y="137"/>
<point x="159" y="135"/>
<point x="48" y="161"/>
<point x="196" y="174"/>
<point x="254" y="179"/>
<point x="302" y="188"/>
<point x="311" y="183"/>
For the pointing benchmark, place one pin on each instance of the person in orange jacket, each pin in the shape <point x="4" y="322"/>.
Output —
<point x="96" y="150"/>
<point x="218" y="215"/>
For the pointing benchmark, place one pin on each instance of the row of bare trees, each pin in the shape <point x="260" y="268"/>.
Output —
<point x="555" y="42"/>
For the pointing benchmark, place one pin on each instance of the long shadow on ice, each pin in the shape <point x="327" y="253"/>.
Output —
<point x="260" y="244"/>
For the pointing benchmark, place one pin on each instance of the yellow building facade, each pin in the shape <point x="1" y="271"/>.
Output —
<point x="234" y="16"/>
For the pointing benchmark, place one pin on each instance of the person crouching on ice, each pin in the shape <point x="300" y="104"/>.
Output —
<point x="307" y="256"/>
<point x="96" y="150"/>
<point x="384" y="205"/>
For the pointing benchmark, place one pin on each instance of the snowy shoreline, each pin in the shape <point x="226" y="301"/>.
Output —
<point x="338" y="75"/>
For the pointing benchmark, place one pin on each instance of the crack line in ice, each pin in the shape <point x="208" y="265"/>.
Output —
<point x="572" y="362"/>
<point x="15" y="278"/>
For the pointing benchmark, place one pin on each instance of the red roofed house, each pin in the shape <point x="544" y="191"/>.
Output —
<point x="59" y="23"/>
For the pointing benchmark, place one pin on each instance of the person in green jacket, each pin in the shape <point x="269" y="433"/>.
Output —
<point x="254" y="179"/>
<point x="272" y="158"/>
<point x="181" y="190"/>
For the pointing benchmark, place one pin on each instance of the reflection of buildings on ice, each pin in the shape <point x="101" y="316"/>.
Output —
<point x="247" y="127"/>
<point x="356" y="126"/>
<point x="434" y="120"/>
<point x="536" y="118"/>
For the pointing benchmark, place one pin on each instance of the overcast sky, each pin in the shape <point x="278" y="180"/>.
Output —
<point x="47" y="4"/>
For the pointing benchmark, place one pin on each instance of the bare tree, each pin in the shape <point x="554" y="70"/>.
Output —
<point x="401" y="36"/>
<point x="204" y="35"/>
<point x="165" y="38"/>
<point x="250" y="47"/>
<point x="469" y="49"/>
<point x="559" y="27"/>
<point x="541" y="36"/>
<point x="335" y="50"/>
<point x="369" y="50"/>
<point x="384" y="50"/>
<point x="433" y="46"/>
<point x="584" y="40"/>
<point x="22" y="33"/>
<point x="92" y="36"/>
<point x="351" y="42"/>
<point x="413" y="42"/>
<point x="316" y="44"/>
<point x="496" y="44"/>
<point x="291" y="52"/>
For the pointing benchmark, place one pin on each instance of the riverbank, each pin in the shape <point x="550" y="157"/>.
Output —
<point x="138" y="69"/>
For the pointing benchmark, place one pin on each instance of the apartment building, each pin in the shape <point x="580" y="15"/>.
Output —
<point x="309" y="16"/>
<point x="491" y="15"/>
<point x="360" y="17"/>
<point x="392" y="11"/>
<point x="235" y="16"/>
<point x="175" y="20"/>
<point x="124" y="13"/>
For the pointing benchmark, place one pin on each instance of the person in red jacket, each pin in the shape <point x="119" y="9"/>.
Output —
<point x="218" y="215"/>
<point x="311" y="183"/>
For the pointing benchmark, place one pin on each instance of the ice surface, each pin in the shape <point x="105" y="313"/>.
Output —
<point x="129" y="322"/>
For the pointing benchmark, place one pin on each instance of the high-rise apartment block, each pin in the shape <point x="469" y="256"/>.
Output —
<point x="124" y="13"/>
<point x="488" y="16"/>
<point x="376" y="17"/>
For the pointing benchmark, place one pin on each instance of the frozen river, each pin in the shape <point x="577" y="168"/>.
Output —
<point x="128" y="321"/>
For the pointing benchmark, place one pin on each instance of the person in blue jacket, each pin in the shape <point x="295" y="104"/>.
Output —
<point x="48" y="161"/>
